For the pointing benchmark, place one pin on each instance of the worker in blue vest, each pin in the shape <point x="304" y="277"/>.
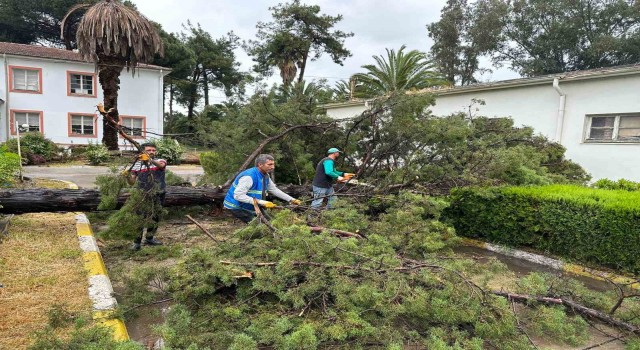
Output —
<point x="254" y="183"/>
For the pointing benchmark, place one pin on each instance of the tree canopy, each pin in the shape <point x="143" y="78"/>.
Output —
<point x="298" y="33"/>
<point x="534" y="37"/>
<point x="398" y="71"/>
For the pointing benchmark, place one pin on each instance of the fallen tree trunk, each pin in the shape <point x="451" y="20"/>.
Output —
<point x="580" y="309"/>
<point x="49" y="200"/>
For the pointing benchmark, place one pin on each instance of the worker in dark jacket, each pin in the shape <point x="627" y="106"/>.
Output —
<point x="254" y="183"/>
<point x="149" y="174"/>
<point x="326" y="175"/>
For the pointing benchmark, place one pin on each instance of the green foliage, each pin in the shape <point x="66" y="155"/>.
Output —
<point x="168" y="149"/>
<point x="135" y="214"/>
<point x="9" y="167"/>
<point x="535" y="37"/>
<point x="214" y="167"/>
<point x="439" y="153"/>
<point x="82" y="338"/>
<point x="110" y="186"/>
<point x="298" y="33"/>
<point x="97" y="153"/>
<point x="622" y="184"/>
<point x="399" y="71"/>
<point x="552" y="321"/>
<point x="79" y="337"/>
<point x="32" y="145"/>
<point x="349" y="292"/>
<point x="589" y="225"/>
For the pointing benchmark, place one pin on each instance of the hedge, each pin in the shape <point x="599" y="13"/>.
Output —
<point x="592" y="226"/>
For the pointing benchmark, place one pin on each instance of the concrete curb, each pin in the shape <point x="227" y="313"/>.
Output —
<point x="100" y="289"/>
<point x="554" y="264"/>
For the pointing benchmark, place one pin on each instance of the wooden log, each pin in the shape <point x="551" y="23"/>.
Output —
<point x="50" y="200"/>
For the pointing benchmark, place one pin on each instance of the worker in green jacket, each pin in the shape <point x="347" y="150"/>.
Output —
<point x="326" y="174"/>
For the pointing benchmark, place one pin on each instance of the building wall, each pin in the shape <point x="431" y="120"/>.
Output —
<point x="537" y="106"/>
<point x="138" y="96"/>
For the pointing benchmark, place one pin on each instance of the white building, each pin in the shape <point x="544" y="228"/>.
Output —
<point x="595" y="114"/>
<point x="56" y="93"/>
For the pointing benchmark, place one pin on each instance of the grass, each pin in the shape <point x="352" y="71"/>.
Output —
<point x="41" y="268"/>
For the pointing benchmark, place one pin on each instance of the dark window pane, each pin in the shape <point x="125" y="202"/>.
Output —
<point x="601" y="134"/>
<point x="603" y="121"/>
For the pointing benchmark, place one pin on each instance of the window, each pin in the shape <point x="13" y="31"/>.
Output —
<point x="81" y="84"/>
<point x="26" y="79"/>
<point x="33" y="118"/>
<point x="82" y="125"/>
<point x="133" y="126"/>
<point x="613" y="128"/>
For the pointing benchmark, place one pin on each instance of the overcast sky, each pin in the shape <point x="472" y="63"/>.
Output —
<point x="376" y="24"/>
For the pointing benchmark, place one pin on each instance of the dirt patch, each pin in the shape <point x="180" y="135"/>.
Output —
<point x="41" y="267"/>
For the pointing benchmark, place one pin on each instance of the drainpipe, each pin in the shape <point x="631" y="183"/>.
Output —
<point x="560" y="119"/>
<point x="6" y="100"/>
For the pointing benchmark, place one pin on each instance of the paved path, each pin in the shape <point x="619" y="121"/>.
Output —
<point x="85" y="176"/>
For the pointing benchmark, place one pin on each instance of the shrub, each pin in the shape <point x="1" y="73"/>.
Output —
<point x="622" y="184"/>
<point x="97" y="153"/>
<point x="9" y="166"/>
<point x="168" y="149"/>
<point x="212" y="163"/>
<point x="33" y="143"/>
<point x="588" y="225"/>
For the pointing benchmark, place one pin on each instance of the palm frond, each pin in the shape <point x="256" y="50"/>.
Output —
<point x="112" y="30"/>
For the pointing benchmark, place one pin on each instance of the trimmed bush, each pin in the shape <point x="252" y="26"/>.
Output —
<point x="588" y="225"/>
<point x="9" y="166"/>
<point x="34" y="147"/>
<point x="97" y="153"/>
<point x="168" y="149"/>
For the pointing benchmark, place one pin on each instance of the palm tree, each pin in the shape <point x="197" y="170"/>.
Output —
<point x="397" y="72"/>
<point x="114" y="36"/>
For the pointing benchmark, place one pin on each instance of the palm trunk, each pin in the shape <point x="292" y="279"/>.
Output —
<point x="109" y="75"/>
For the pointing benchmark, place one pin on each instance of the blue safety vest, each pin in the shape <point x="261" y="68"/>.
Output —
<point x="254" y="192"/>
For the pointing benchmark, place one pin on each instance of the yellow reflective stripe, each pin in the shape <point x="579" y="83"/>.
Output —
<point x="229" y="204"/>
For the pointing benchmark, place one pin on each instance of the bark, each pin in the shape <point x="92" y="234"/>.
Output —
<point x="303" y="65"/>
<point x="48" y="200"/>
<point x="205" y="87"/>
<point x="109" y="70"/>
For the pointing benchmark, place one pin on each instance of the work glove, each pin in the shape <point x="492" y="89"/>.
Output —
<point x="143" y="157"/>
<point x="269" y="205"/>
<point x="295" y="202"/>
<point x="341" y="179"/>
<point x="125" y="173"/>
<point x="348" y="176"/>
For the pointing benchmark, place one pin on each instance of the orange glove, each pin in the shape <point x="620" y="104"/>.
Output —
<point x="143" y="157"/>
<point x="269" y="205"/>
<point x="348" y="176"/>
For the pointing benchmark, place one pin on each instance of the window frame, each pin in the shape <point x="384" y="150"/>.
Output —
<point x="11" y="80"/>
<point x="616" y="128"/>
<point x="94" y="82"/>
<point x="12" y="119"/>
<point x="70" y="116"/>
<point x="144" y="125"/>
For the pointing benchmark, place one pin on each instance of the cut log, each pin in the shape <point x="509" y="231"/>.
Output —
<point x="49" y="200"/>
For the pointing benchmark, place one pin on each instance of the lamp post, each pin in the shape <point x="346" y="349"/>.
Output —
<point x="18" y="127"/>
